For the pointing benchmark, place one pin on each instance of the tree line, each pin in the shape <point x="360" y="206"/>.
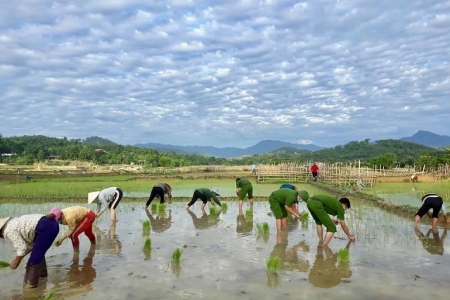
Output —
<point x="385" y="153"/>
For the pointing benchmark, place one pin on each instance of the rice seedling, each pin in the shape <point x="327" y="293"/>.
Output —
<point x="147" y="244"/>
<point x="343" y="255"/>
<point x="154" y="206"/>
<point x="162" y="206"/>
<point x="212" y="210"/>
<point x="50" y="295"/>
<point x="176" y="256"/>
<point x="304" y="217"/>
<point x="224" y="206"/>
<point x="146" y="225"/>
<point x="273" y="264"/>
<point x="263" y="228"/>
<point x="3" y="264"/>
<point x="249" y="213"/>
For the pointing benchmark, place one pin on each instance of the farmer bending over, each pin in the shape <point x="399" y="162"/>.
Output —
<point x="294" y="188"/>
<point x="431" y="201"/>
<point x="244" y="187"/>
<point x="205" y="195"/>
<point x="158" y="191"/>
<point x="281" y="202"/>
<point x="79" y="219"/>
<point x="31" y="233"/>
<point x="107" y="199"/>
<point x="320" y="207"/>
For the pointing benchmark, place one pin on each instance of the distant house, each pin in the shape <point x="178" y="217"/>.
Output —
<point x="99" y="150"/>
<point x="8" y="154"/>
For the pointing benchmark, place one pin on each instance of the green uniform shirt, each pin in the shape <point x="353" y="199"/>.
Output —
<point x="286" y="196"/>
<point x="209" y="194"/>
<point x="243" y="182"/>
<point x="331" y="205"/>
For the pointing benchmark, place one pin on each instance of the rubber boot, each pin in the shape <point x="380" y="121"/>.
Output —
<point x="43" y="271"/>
<point x="31" y="279"/>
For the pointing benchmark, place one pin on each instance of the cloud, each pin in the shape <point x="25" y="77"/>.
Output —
<point x="225" y="73"/>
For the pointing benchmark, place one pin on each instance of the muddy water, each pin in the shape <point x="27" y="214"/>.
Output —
<point x="224" y="258"/>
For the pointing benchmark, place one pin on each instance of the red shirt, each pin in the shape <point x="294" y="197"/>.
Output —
<point x="314" y="168"/>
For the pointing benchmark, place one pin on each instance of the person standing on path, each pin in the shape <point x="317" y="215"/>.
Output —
<point x="431" y="202"/>
<point x="158" y="191"/>
<point x="244" y="187"/>
<point x="281" y="202"/>
<point x="320" y="207"/>
<point x="79" y="219"/>
<point x="315" y="171"/>
<point x="205" y="195"/>
<point x="108" y="198"/>
<point x="33" y="234"/>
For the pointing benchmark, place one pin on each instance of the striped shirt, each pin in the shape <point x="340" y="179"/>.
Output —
<point x="430" y="196"/>
<point x="21" y="232"/>
<point x="72" y="216"/>
<point x="166" y="188"/>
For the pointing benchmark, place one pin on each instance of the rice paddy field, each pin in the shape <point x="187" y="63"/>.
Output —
<point x="166" y="252"/>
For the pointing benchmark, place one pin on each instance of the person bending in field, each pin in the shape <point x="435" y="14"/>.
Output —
<point x="31" y="233"/>
<point x="320" y="207"/>
<point x="79" y="219"/>
<point x="294" y="188"/>
<point x="244" y="187"/>
<point x="281" y="202"/>
<point x="431" y="202"/>
<point x="205" y="195"/>
<point x="158" y="191"/>
<point x="106" y="199"/>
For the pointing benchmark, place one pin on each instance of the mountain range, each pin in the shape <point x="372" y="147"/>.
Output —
<point x="428" y="138"/>
<point x="228" y="152"/>
<point x="425" y="138"/>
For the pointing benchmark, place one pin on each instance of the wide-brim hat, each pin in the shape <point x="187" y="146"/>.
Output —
<point x="215" y="191"/>
<point x="92" y="196"/>
<point x="3" y="222"/>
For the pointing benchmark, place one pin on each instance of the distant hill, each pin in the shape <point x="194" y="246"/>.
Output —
<point x="428" y="138"/>
<point x="228" y="152"/>
<point x="98" y="141"/>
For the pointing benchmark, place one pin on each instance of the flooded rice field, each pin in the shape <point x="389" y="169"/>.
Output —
<point x="224" y="257"/>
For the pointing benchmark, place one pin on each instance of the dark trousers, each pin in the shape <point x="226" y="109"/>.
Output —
<point x="46" y="232"/>
<point x="434" y="203"/>
<point x="156" y="191"/>
<point x="115" y="202"/>
<point x="197" y="195"/>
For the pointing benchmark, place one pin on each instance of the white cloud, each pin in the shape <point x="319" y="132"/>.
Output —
<point x="227" y="74"/>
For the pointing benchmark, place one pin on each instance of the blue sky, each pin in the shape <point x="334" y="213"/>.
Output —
<point x="225" y="73"/>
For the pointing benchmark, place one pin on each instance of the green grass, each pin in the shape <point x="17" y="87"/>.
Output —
<point x="343" y="255"/>
<point x="147" y="244"/>
<point x="176" y="256"/>
<point x="4" y="264"/>
<point x="249" y="213"/>
<point x="273" y="264"/>
<point x="262" y="228"/>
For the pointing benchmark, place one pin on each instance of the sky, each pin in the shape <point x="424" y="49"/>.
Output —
<point x="225" y="73"/>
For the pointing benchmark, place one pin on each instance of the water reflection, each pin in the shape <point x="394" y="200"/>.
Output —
<point x="244" y="224"/>
<point x="327" y="271"/>
<point x="79" y="278"/>
<point x="161" y="222"/>
<point x="290" y="260"/>
<point x="108" y="243"/>
<point x="433" y="244"/>
<point x="205" y="221"/>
